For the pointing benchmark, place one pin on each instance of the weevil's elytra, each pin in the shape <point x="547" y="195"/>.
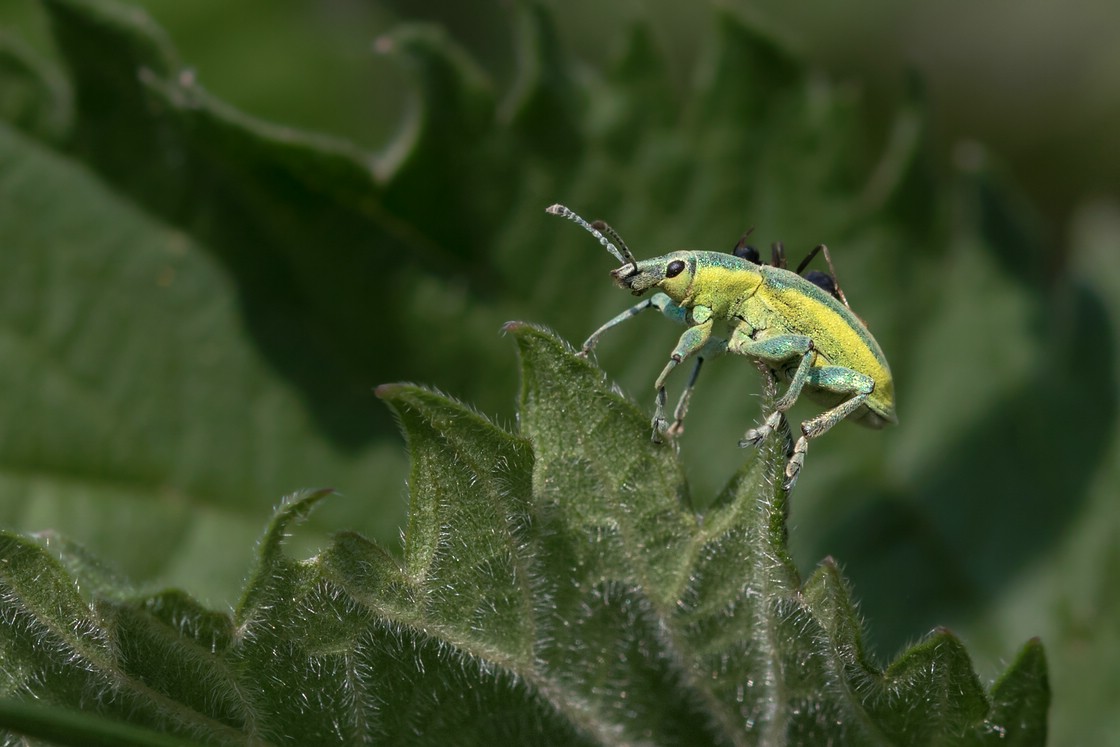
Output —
<point x="799" y="325"/>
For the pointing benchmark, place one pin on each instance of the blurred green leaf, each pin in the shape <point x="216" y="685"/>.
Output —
<point x="33" y="94"/>
<point x="555" y="589"/>
<point x="137" y="416"/>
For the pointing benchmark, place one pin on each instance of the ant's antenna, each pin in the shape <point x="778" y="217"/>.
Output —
<point x="597" y="229"/>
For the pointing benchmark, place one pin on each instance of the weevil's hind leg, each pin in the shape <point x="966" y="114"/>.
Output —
<point x="822" y="249"/>
<point x="832" y="379"/>
<point x="658" y="301"/>
<point x="713" y="348"/>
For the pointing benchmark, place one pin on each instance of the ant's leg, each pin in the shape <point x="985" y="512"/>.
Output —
<point x="778" y="255"/>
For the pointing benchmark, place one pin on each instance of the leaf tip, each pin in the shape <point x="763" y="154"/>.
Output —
<point x="303" y="499"/>
<point x="387" y="391"/>
<point x="525" y="330"/>
<point x="535" y="338"/>
<point x="943" y="635"/>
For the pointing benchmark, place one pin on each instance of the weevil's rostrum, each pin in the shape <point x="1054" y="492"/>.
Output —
<point x="799" y="326"/>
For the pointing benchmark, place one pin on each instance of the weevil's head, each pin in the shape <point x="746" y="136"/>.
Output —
<point x="671" y="273"/>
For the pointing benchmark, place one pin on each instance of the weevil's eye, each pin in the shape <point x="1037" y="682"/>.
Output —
<point x="747" y="252"/>
<point x="676" y="267"/>
<point x="822" y="280"/>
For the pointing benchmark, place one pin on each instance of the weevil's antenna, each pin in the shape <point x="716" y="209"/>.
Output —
<point x="597" y="229"/>
<point x="610" y="233"/>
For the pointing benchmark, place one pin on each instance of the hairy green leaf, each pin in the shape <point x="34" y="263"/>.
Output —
<point x="556" y="588"/>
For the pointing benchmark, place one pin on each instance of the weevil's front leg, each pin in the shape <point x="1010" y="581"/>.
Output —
<point x="714" y="347"/>
<point x="775" y="351"/>
<point x="836" y="379"/>
<point x="658" y="301"/>
<point x="693" y="339"/>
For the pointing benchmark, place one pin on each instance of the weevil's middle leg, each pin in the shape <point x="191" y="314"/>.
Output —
<point x="774" y="351"/>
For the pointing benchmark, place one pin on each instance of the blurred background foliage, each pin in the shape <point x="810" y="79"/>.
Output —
<point x="196" y="305"/>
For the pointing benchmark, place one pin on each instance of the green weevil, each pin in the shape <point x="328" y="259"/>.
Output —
<point x="798" y="326"/>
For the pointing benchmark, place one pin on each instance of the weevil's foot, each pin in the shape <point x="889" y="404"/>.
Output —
<point x="676" y="429"/>
<point x="795" y="463"/>
<point x="753" y="437"/>
<point x="793" y="471"/>
<point x="756" y="436"/>
<point x="661" y="430"/>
